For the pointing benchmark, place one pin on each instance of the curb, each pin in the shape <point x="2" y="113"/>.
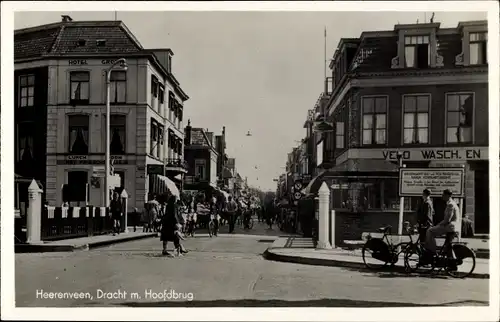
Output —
<point x="269" y="255"/>
<point x="47" y="248"/>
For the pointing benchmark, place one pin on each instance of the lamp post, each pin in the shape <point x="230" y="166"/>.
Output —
<point x="122" y="62"/>
<point x="401" y="198"/>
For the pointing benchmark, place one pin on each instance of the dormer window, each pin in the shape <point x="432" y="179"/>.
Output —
<point x="478" y="48"/>
<point x="169" y="64"/>
<point x="81" y="42"/>
<point x="417" y="52"/>
<point x="101" y="42"/>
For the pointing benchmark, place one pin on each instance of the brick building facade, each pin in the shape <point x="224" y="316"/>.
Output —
<point x="420" y="90"/>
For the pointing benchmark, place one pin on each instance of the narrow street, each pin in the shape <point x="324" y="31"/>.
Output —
<point x="228" y="270"/>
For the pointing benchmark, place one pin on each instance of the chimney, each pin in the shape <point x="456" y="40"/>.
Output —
<point x="66" y="18"/>
<point x="223" y="138"/>
<point x="187" y="134"/>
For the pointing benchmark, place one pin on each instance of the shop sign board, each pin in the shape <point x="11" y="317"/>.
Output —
<point x="412" y="182"/>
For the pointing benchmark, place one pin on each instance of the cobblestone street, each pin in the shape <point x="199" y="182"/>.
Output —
<point x="224" y="271"/>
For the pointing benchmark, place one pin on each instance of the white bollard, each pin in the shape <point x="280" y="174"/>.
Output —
<point x="124" y="196"/>
<point x="324" y="205"/>
<point x="34" y="219"/>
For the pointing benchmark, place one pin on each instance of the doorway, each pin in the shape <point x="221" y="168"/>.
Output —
<point x="481" y="201"/>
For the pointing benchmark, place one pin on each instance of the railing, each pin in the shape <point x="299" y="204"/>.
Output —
<point x="71" y="222"/>
<point x="176" y="163"/>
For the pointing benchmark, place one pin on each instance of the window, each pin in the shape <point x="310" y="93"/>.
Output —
<point x="118" y="87"/>
<point x="154" y="137"/>
<point x="374" y="120"/>
<point x="416" y="119"/>
<point x="478" y="48"/>
<point x="169" y="64"/>
<point x="79" y="87"/>
<point x="199" y="169"/>
<point x="339" y="135"/>
<point x="25" y="138"/>
<point x="459" y="118"/>
<point x="171" y="100"/>
<point x="154" y="90"/>
<point x="118" y="134"/>
<point x="160" y="141"/>
<point x="26" y="90"/>
<point x="417" y="52"/>
<point x="78" y="134"/>
<point x="101" y="42"/>
<point x="179" y="141"/>
<point x="77" y="183"/>
<point x="161" y="98"/>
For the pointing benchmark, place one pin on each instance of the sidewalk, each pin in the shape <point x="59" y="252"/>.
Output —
<point x="300" y="251"/>
<point x="83" y="243"/>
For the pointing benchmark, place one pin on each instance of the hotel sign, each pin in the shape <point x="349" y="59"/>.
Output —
<point x="412" y="182"/>
<point x="86" y="160"/>
<point x="84" y="61"/>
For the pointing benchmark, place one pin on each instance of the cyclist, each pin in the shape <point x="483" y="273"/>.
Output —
<point x="425" y="214"/>
<point x="447" y="225"/>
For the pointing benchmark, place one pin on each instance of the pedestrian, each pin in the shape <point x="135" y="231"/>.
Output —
<point x="169" y="228"/>
<point x="116" y="210"/>
<point x="231" y="209"/>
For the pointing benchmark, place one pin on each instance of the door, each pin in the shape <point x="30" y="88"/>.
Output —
<point x="481" y="201"/>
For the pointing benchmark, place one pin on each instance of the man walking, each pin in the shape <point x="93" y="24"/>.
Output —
<point x="425" y="214"/>
<point x="231" y="209"/>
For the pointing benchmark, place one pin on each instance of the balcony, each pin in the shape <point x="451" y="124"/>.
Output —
<point x="176" y="164"/>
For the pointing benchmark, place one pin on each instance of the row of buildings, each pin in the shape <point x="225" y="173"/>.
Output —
<point x="418" y="93"/>
<point x="60" y="106"/>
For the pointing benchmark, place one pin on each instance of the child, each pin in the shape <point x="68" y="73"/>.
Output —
<point x="179" y="236"/>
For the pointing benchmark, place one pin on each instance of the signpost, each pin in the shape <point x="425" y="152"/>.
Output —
<point x="413" y="181"/>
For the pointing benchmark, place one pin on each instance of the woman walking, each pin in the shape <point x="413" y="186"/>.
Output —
<point x="169" y="228"/>
<point x="116" y="213"/>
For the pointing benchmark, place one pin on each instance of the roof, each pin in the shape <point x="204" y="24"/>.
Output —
<point x="199" y="138"/>
<point x="62" y="39"/>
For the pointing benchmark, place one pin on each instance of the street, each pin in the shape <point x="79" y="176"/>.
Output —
<point x="222" y="271"/>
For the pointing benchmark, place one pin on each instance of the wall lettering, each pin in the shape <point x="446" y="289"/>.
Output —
<point x="435" y="154"/>
<point x="77" y="62"/>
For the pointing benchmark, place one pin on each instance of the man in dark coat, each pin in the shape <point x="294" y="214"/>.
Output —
<point x="425" y="214"/>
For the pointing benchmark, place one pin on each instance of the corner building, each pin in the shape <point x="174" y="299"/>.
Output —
<point x="66" y="64"/>
<point x="419" y="89"/>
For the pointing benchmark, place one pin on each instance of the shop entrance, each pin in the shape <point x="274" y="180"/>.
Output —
<point x="481" y="201"/>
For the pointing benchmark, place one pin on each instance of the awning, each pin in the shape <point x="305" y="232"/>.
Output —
<point x="313" y="185"/>
<point x="170" y="185"/>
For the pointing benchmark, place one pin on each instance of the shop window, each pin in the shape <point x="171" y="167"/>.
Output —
<point x="80" y="83"/>
<point x="478" y="48"/>
<point x="374" y="120"/>
<point x="417" y="52"/>
<point x="416" y="119"/>
<point x="459" y="118"/>
<point x="77" y="185"/>
<point x="78" y="134"/>
<point x="118" y="124"/>
<point x="118" y="87"/>
<point x="26" y="91"/>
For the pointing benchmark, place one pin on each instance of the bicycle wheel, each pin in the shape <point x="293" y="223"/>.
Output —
<point x="250" y="223"/>
<point x="465" y="259"/>
<point x="413" y="258"/>
<point x="211" y="228"/>
<point x="398" y="250"/>
<point x="375" y="254"/>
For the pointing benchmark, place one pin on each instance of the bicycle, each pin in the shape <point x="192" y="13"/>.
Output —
<point x="383" y="249"/>
<point x="211" y="225"/>
<point x="449" y="254"/>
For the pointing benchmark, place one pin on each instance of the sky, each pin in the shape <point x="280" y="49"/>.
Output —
<point x="251" y="71"/>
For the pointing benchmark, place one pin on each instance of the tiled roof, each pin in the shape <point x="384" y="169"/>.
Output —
<point x="382" y="51"/>
<point x="35" y="44"/>
<point x="62" y="38"/>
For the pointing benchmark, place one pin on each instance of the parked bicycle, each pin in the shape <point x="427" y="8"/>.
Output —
<point x="450" y="254"/>
<point x="383" y="251"/>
